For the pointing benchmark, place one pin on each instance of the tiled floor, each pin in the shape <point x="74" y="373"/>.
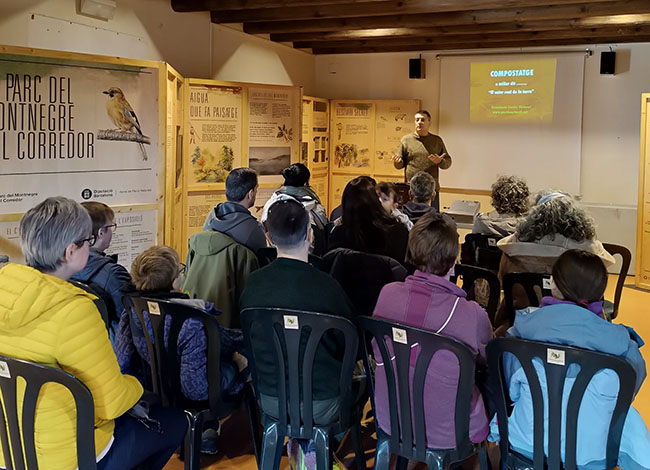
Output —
<point x="236" y="451"/>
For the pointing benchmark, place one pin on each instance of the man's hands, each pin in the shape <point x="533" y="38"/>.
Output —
<point x="437" y="158"/>
<point x="396" y="158"/>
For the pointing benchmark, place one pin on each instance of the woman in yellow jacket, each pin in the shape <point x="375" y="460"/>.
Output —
<point x="47" y="320"/>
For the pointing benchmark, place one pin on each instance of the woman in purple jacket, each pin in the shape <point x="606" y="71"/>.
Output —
<point x="428" y="300"/>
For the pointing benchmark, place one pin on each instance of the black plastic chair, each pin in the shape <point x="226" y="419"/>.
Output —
<point x="363" y="275"/>
<point x="481" y="250"/>
<point x="164" y="363"/>
<point x="268" y="254"/>
<point x="611" y="308"/>
<point x="534" y="285"/>
<point x="18" y="433"/>
<point x="556" y="360"/>
<point x="408" y="436"/>
<point x="294" y="336"/>
<point x="469" y="276"/>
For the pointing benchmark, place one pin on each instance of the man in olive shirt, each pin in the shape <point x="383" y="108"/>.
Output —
<point x="423" y="151"/>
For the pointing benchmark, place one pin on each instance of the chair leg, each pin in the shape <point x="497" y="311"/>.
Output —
<point x="193" y="442"/>
<point x="402" y="463"/>
<point x="382" y="454"/>
<point x="253" y="421"/>
<point x="323" y="456"/>
<point x="272" y="444"/>
<point x="359" y="454"/>
<point x="484" y="458"/>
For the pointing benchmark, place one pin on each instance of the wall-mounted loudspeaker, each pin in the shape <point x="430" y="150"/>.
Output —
<point x="607" y="63"/>
<point x="416" y="68"/>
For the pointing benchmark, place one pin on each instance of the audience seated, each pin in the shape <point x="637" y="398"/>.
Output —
<point x="573" y="317"/>
<point x="337" y="212"/>
<point x="555" y="224"/>
<point x="45" y="319"/>
<point x="510" y="201"/>
<point x="290" y="282"/>
<point x="365" y="226"/>
<point x="156" y="274"/>
<point x="296" y="186"/>
<point x="428" y="300"/>
<point x="101" y="270"/>
<point x="233" y="217"/>
<point x="422" y="192"/>
<point x="387" y="197"/>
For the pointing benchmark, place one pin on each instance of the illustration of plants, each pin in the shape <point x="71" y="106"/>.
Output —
<point x="284" y="133"/>
<point x="210" y="169"/>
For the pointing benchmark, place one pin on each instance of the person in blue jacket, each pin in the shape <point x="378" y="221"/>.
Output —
<point x="573" y="316"/>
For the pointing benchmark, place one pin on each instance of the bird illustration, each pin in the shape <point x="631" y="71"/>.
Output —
<point x="122" y="114"/>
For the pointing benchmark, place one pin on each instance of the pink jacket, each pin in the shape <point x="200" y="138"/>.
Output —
<point x="425" y="301"/>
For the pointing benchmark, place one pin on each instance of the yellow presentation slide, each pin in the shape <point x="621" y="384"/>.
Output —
<point x="520" y="90"/>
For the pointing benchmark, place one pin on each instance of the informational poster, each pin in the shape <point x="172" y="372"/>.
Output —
<point x="81" y="131"/>
<point x="136" y="231"/>
<point x="272" y="130"/>
<point x="352" y="133"/>
<point x="199" y="205"/>
<point x="318" y="137"/>
<point x="393" y="119"/>
<point x="215" y="132"/>
<point x="263" y="195"/>
<point x="319" y="183"/>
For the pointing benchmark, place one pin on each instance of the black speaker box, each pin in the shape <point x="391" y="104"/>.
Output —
<point x="607" y="63"/>
<point x="416" y="68"/>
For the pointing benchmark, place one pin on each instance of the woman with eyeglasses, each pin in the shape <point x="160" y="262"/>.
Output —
<point x="47" y="320"/>
<point x="102" y="271"/>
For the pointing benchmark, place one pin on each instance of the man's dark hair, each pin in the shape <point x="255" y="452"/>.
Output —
<point x="425" y="112"/>
<point x="287" y="223"/>
<point x="433" y="243"/>
<point x="239" y="182"/>
<point x="296" y="175"/>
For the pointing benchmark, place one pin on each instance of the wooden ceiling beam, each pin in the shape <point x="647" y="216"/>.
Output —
<point x="481" y="45"/>
<point x="385" y="7"/>
<point x="220" y="5"/>
<point x="509" y="27"/>
<point x="558" y="12"/>
<point x="585" y="35"/>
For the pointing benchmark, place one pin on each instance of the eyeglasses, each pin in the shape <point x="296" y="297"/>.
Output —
<point x="113" y="226"/>
<point x="91" y="241"/>
<point x="183" y="268"/>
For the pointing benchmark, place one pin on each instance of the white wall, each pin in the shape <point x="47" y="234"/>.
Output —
<point x="140" y="29"/>
<point x="240" y="57"/>
<point x="611" y="121"/>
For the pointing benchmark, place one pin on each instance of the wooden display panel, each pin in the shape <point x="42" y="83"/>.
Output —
<point x="642" y="278"/>
<point x="315" y="134"/>
<point x="352" y="136"/>
<point x="98" y="158"/>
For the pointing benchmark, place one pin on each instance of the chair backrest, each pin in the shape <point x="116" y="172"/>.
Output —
<point x="363" y="275"/>
<point x="481" y="250"/>
<point x="406" y="397"/>
<point x="291" y="332"/>
<point x="164" y="356"/>
<point x="100" y="302"/>
<point x="531" y="284"/>
<point x="556" y="359"/>
<point x="469" y="276"/>
<point x="18" y="433"/>
<point x="626" y="256"/>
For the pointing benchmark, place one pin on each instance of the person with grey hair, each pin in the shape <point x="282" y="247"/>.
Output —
<point x="554" y="225"/>
<point x="45" y="319"/>
<point x="233" y="217"/>
<point x="510" y="201"/>
<point x="422" y="191"/>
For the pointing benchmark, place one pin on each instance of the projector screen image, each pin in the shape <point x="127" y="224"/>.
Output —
<point x="520" y="90"/>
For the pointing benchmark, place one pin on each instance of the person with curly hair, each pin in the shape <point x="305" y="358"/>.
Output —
<point x="510" y="200"/>
<point x="554" y="225"/>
